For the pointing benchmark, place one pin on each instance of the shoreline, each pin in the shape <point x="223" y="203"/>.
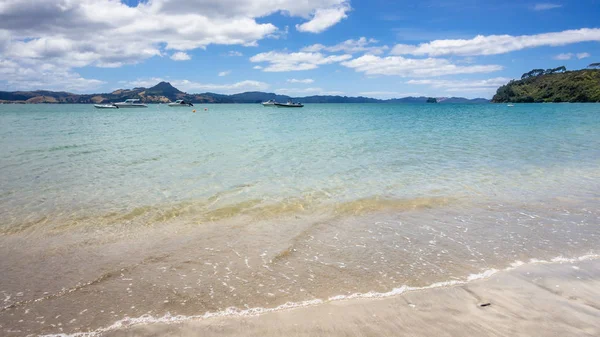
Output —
<point x="474" y="295"/>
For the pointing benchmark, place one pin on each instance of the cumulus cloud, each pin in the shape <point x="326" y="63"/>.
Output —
<point x="497" y="44"/>
<point x="362" y="45"/>
<point x="304" y="81"/>
<point x="282" y="61"/>
<point x="307" y="92"/>
<point x="568" y="56"/>
<point x="583" y="55"/>
<point x="107" y="33"/>
<point x="193" y="86"/>
<point x="462" y="85"/>
<point x="405" y="67"/>
<point x="324" y="18"/>
<point x="388" y="94"/>
<point x="545" y="6"/>
<point x="234" y="53"/>
<point x="181" y="56"/>
<point x="44" y="75"/>
<point x="224" y="73"/>
<point x="564" y="56"/>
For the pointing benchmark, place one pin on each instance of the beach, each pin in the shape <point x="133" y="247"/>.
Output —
<point x="248" y="220"/>
<point x="539" y="299"/>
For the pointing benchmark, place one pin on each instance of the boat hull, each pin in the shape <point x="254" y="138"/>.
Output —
<point x="107" y="106"/>
<point x="130" y="106"/>
<point x="289" y="105"/>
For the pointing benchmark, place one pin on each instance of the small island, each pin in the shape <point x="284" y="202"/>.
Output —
<point x="431" y="100"/>
<point x="553" y="86"/>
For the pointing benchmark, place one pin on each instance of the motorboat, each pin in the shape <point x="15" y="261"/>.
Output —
<point x="289" y="105"/>
<point x="105" y="106"/>
<point x="130" y="103"/>
<point x="180" y="103"/>
<point x="270" y="103"/>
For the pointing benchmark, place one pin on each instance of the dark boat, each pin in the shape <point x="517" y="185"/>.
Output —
<point x="289" y="105"/>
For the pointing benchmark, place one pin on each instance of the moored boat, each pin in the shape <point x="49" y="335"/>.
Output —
<point x="105" y="106"/>
<point x="270" y="103"/>
<point x="130" y="103"/>
<point x="180" y="103"/>
<point x="289" y="105"/>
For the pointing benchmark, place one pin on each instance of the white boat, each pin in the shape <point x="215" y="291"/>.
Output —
<point x="130" y="103"/>
<point x="180" y="103"/>
<point x="105" y="106"/>
<point x="289" y="105"/>
<point x="269" y="103"/>
<point x="511" y="105"/>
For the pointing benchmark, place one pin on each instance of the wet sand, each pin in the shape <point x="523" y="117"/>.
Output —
<point x="558" y="299"/>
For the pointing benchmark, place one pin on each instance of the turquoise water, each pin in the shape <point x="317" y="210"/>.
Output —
<point x="72" y="160"/>
<point x="107" y="215"/>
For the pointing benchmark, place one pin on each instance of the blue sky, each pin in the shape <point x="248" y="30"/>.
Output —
<point x="377" y="48"/>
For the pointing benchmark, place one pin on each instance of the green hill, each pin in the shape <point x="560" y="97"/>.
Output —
<point x="552" y="85"/>
<point x="164" y="92"/>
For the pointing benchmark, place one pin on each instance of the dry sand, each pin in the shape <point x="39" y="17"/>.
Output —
<point x="532" y="300"/>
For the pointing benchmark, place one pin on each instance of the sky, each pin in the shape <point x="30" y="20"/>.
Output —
<point x="374" y="48"/>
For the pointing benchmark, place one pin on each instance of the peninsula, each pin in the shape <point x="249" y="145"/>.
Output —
<point x="553" y="85"/>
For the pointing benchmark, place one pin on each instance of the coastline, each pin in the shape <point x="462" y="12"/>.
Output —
<point x="543" y="298"/>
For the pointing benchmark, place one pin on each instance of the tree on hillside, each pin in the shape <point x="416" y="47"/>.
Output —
<point x="533" y="73"/>
<point x="560" y="69"/>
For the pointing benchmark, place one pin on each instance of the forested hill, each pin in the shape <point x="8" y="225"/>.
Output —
<point x="553" y="85"/>
<point x="164" y="92"/>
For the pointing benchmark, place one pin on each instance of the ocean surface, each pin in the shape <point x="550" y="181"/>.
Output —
<point x="109" y="217"/>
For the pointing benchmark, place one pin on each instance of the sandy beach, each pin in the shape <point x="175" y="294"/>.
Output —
<point x="558" y="299"/>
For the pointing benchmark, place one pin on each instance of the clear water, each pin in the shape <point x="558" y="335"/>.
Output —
<point x="68" y="161"/>
<point x="245" y="206"/>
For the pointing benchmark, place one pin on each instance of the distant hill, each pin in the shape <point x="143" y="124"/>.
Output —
<point x="552" y="85"/>
<point x="164" y="92"/>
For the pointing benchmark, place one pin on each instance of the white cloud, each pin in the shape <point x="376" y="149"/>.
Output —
<point x="307" y="92"/>
<point x="568" y="56"/>
<point x="181" y="56"/>
<point x="232" y="88"/>
<point x="459" y="85"/>
<point x="234" y="53"/>
<point x="196" y="87"/>
<point x="497" y="44"/>
<point x="545" y="6"/>
<point x="479" y="88"/>
<point x="400" y="66"/>
<point x="282" y="61"/>
<point x="324" y="18"/>
<point x="583" y="55"/>
<point x="304" y="81"/>
<point x="388" y="94"/>
<point x="362" y="45"/>
<point x="257" y="67"/>
<point x="43" y="75"/>
<point x="224" y="73"/>
<point x="70" y="34"/>
<point x="563" y="56"/>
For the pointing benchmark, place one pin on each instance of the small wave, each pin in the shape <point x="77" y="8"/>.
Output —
<point x="215" y="208"/>
<point x="236" y="312"/>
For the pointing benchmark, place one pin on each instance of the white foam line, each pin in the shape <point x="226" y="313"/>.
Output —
<point x="232" y="311"/>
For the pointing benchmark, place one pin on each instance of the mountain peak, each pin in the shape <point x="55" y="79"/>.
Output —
<point x="164" y="88"/>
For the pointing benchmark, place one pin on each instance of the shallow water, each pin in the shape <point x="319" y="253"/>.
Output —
<point x="121" y="213"/>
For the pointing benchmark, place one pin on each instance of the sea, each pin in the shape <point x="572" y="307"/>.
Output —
<point x="116" y="217"/>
